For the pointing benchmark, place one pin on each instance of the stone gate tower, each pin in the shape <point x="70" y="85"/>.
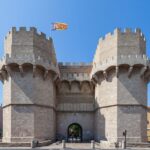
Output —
<point x="43" y="98"/>
<point x="119" y="69"/>
<point x="28" y="72"/>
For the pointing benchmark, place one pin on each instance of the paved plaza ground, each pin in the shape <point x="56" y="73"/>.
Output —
<point x="69" y="146"/>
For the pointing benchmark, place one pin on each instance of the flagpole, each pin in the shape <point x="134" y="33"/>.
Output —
<point x="51" y="33"/>
<point x="51" y="30"/>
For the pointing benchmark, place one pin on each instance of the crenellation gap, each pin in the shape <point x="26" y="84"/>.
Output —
<point x="22" y="29"/>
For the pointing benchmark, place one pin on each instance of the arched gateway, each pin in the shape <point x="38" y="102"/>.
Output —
<point x="74" y="133"/>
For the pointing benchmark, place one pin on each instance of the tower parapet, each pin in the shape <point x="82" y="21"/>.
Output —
<point x="29" y="45"/>
<point x="24" y="47"/>
<point x="120" y="48"/>
<point x="119" y="42"/>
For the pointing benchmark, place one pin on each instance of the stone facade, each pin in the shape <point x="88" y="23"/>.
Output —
<point x="148" y="124"/>
<point x="1" y="120"/>
<point x="42" y="98"/>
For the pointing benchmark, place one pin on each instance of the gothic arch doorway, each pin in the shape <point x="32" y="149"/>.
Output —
<point x="74" y="133"/>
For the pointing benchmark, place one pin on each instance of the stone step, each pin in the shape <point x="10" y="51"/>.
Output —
<point x="13" y="144"/>
<point x="20" y="148"/>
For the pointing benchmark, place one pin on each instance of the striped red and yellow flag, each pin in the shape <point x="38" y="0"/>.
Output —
<point x="59" y="26"/>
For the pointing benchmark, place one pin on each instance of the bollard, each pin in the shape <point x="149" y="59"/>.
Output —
<point x="123" y="145"/>
<point x="93" y="144"/>
<point x="32" y="144"/>
<point x="63" y="144"/>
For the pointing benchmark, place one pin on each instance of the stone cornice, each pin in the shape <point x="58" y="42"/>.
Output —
<point x="123" y="105"/>
<point x="37" y="105"/>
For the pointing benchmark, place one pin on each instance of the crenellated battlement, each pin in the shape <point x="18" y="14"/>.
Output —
<point x="75" y="77"/>
<point x="74" y="64"/>
<point x="31" y="30"/>
<point x="137" y="32"/>
<point x="120" y="42"/>
<point x="71" y="71"/>
<point x="120" y="48"/>
<point x="29" y="46"/>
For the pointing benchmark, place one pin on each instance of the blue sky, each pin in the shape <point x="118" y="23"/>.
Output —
<point x="88" y="20"/>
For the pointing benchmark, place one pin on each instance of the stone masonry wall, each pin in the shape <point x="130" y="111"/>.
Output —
<point x="6" y="124"/>
<point x="106" y="118"/>
<point x="134" y="120"/>
<point x="27" y="119"/>
<point x="106" y="124"/>
<point x="85" y="119"/>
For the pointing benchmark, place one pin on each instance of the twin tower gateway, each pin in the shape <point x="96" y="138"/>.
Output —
<point x="44" y="99"/>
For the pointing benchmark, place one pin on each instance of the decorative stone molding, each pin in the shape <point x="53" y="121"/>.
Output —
<point x="118" y="61"/>
<point x="75" y="107"/>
